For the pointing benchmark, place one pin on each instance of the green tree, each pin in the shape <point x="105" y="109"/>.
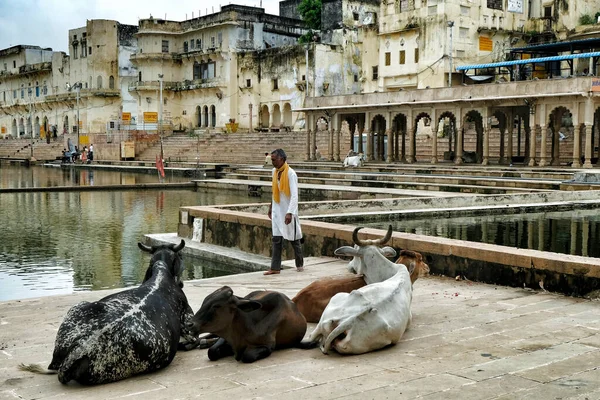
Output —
<point x="310" y="11"/>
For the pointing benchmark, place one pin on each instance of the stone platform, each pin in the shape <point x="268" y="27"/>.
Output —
<point x="467" y="341"/>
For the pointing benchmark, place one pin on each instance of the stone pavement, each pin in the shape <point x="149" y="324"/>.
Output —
<point x="467" y="341"/>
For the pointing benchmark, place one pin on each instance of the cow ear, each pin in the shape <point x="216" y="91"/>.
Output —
<point x="248" y="305"/>
<point x="388" y="251"/>
<point x="346" y="251"/>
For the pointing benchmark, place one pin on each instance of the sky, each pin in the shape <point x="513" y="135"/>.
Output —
<point x="46" y="23"/>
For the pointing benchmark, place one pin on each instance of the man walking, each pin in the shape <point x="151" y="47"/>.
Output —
<point x="283" y="212"/>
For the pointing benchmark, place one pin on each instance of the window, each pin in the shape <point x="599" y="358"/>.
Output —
<point x="212" y="41"/>
<point x="388" y="58"/>
<point x="185" y="47"/>
<point x="220" y="38"/>
<point x="99" y="82"/>
<point x="355" y="77"/>
<point x="464" y="10"/>
<point x="416" y="55"/>
<point x="37" y="91"/>
<point x="303" y="78"/>
<point x="90" y="50"/>
<point x="275" y="84"/>
<point x="548" y="12"/>
<point x="165" y="101"/>
<point x="402" y="57"/>
<point x="463" y="33"/>
<point x="22" y="93"/>
<point x="14" y="94"/>
<point x="494" y="4"/>
<point x="111" y="82"/>
<point x="199" y="44"/>
<point x="140" y="76"/>
<point x="45" y="90"/>
<point x="375" y="73"/>
<point x="204" y="70"/>
<point x="165" y="46"/>
<point x="355" y="16"/>
<point x="83" y="50"/>
<point x="75" y="48"/>
<point x="192" y="42"/>
<point x="248" y="82"/>
<point x="14" y="64"/>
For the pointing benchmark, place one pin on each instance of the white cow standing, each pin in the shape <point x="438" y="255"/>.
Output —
<point x="354" y="161"/>
<point x="373" y="316"/>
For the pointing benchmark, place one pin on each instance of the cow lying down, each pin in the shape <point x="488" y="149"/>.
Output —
<point x="126" y="333"/>
<point x="249" y="328"/>
<point x="368" y="318"/>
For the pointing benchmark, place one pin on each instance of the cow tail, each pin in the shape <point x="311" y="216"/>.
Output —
<point x="334" y="334"/>
<point x="36" y="369"/>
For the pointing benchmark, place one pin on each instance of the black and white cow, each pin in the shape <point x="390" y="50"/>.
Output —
<point x="127" y="333"/>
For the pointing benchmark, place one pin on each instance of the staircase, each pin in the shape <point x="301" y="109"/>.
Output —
<point x="20" y="149"/>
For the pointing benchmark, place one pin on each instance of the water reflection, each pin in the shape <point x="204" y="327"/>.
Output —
<point x="568" y="232"/>
<point x="61" y="242"/>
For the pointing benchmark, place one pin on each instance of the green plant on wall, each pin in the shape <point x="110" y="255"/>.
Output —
<point x="310" y="11"/>
<point x="587" y="19"/>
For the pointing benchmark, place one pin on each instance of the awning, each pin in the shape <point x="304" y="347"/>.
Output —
<point x="528" y="61"/>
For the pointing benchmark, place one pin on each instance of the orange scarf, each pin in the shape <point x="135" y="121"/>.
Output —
<point x="284" y="183"/>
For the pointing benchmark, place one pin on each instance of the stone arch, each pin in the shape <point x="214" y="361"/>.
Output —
<point x="499" y="122"/>
<point x="99" y="82"/>
<point x="15" y="129"/>
<point x="276" y="116"/>
<point x="321" y="122"/>
<point x="562" y="131"/>
<point x="205" y="119"/>
<point x="472" y="137"/>
<point x="45" y="125"/>
<point x="21" y="126"/>
<point x="378" y="137"/>
<point x="111" y="82"/>
<point x="353" y="133"/>
<point x="198" y="116"/>
<point x="264" y="116"/>
<point x="596" y="136"/>
<point x="399" y="128"/>
<point x="213" y="116"/>
<point x="422" y="126"/>
<point x="287" y="115"/>
<point x="446" y="130"/>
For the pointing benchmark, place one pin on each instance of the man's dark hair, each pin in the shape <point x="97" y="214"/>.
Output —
<point x="266" y="154"/>
<point x="280" y="153"/>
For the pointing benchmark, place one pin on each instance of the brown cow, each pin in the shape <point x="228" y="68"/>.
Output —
<point x="249" y="328"/>
<point x="312" y="300"/>
<point x="414" y="262"/>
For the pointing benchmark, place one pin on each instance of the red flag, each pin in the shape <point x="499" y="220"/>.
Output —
<point x="160" y="166"/>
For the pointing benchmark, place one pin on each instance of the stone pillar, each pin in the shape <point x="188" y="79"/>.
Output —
<point x="486" y="144"/>
<point x="459" y="141"/>
<point x="541" y="234"/>
<point x="543" y="144"/>
<point x="403" y="145"/>
<point x="358" y="134"/>
<point x="270" y="121"/>
<point x="250" y="127"/>
<point x="576" y="146"/>
<point x="502" y="160"/>
<point x="369" y="143"/>
<point x="509" y="141"/>
<point x="338" y="144"/>
<point x="530" y="234"/>
<point x="532" y="129"/>
<point x="411" y="144"/>
<point x="588" y="146"/>
<point x="390" y="147"/>
<point x="331" y="134"/>
<point x="313" y="147"/>
<point x="308" y="133"/>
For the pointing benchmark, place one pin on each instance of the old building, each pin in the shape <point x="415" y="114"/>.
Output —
<point x="41" y="88"/>
<point x="234" y="69"/>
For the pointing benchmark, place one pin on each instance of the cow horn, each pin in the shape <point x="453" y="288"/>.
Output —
<point x="145" y="248"/>
<point x="179" y="246"/>
<point x="368" y="242"/>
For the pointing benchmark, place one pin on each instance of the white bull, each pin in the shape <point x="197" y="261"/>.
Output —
<point x="375" y="315"/>
<point x="354" y="161"/>
<point x="367" y="319"/>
